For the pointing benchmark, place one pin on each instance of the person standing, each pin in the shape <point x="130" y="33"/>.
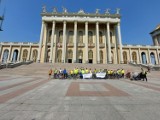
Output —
<point x="49" y="74"/>
<point x="64" y="73"/>
<point x="143" y="74"/>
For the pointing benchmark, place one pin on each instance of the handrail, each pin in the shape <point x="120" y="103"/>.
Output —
<point x="13" y="65"/>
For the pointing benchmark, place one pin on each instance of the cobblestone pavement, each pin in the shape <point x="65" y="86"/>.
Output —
<point x="37" y="98"/>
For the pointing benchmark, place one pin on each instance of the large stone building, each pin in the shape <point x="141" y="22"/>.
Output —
<point x="81" y="38"/>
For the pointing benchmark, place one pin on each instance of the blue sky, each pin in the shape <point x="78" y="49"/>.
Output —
<point x="23" y="21"/>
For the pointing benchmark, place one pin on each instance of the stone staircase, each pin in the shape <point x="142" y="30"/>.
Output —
<point x="41" y="69"/>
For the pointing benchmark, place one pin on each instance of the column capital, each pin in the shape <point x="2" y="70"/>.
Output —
<point x="86" y="22"/>
<point x="107" y="23"/>
<point x="43" y="22"/>
<point x="53" y="21"/>
<point x="97" y="22"/>
<point x="118" y="24"/>
<point x="64" y="22"/>
<point x="75" y="22"/>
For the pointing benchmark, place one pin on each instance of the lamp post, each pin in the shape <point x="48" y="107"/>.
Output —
<point x="1" y="19"/>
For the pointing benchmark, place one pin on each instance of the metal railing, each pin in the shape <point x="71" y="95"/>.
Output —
<point x="151" y="67"/>
<point x="13" y="65"/>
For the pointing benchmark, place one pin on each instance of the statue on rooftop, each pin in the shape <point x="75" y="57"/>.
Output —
<point x="107" y="11"/>
<point x="118" y="10"/>
<point x="81" y="11"/>
<point x="97" y="11"/>
<point x="44" y="9"/>
<point x="54" y="10"/>
<point x="64" y="10"/>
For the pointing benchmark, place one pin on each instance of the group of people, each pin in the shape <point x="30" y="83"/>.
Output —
<point x="79" y="73"/>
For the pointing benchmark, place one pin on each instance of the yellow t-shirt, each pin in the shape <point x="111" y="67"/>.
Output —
<point x="86" y="71"/>
<point x="83" y="72"/>
<point x="122" y="71"/>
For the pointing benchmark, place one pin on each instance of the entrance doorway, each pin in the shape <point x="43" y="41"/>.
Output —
<point x="69" y="60"/>
<point x="15" y="56"/>
<point x="90" y="61"/>
<point x="5" y="56"/>
<point x="80" y="60"/>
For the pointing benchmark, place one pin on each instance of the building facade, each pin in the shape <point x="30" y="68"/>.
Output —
<point x="82" y="38"/>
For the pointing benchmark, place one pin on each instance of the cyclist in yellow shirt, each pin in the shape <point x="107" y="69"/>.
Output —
<point x="123" y="72"/>
<point x="86" y="71"/>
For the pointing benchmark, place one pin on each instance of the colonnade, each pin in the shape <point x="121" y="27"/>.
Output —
<point x="53" y="41"/>
<point x="14" y="52"/>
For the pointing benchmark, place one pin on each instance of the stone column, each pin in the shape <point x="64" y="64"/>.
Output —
<point x="75" y="43"/>
<point x="1" y="54"/>
<point x="97" y="41"/>
<point x="55" y="48"/>
<point x="29" y="55"/>
<point x="86" y="41"/>
<point x="20" y="51"/>
<point x="44" y="43"/>
<point x="64" y="43"/>
<point x="105" y="42"/>
<point x="109" y="44"/>
<point x="10" y="52"/>
<point x="139" y="53"/>
<point x="41" y="40"/>
<point x="116" y="48"/>
<point x="149" y="57"/>
<point x="158" y="57"/>
<point x="0" y="50"/>
<point x="131" y="60"/>
<point x="120" y="42"/>
<point x="52" y="42"/>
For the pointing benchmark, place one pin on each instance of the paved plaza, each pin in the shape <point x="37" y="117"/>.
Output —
<point x="24" y="97"/>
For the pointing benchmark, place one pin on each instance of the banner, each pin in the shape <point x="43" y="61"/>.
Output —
<point x="89" y="75"/>
<point x="100" y="75"/>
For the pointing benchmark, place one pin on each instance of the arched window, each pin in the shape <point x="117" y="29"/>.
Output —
<point x="59" y="55"/>
<point x="125" y="57"/>
<point x="90" y="54"/>
<point x="90" y="37"/>
<point x="15" y="56"/>
<point x="134" y="57"/>
<point x="70" y="37"/>
<point x="60" y="37"/>
<point x="144" y="59"/>
<point x="80" y="54"/>
<point x="25" y="54"/>
<point x="101" y="56"/>
<point x="5" y="55"/>
<point x="153" y="60"/>
<point x="50" y="35"/>
<point x="100" y="37"/>
<point x="34" y="55"/>
<point x="70" y="54"/>
<point x="80" y="37"/>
